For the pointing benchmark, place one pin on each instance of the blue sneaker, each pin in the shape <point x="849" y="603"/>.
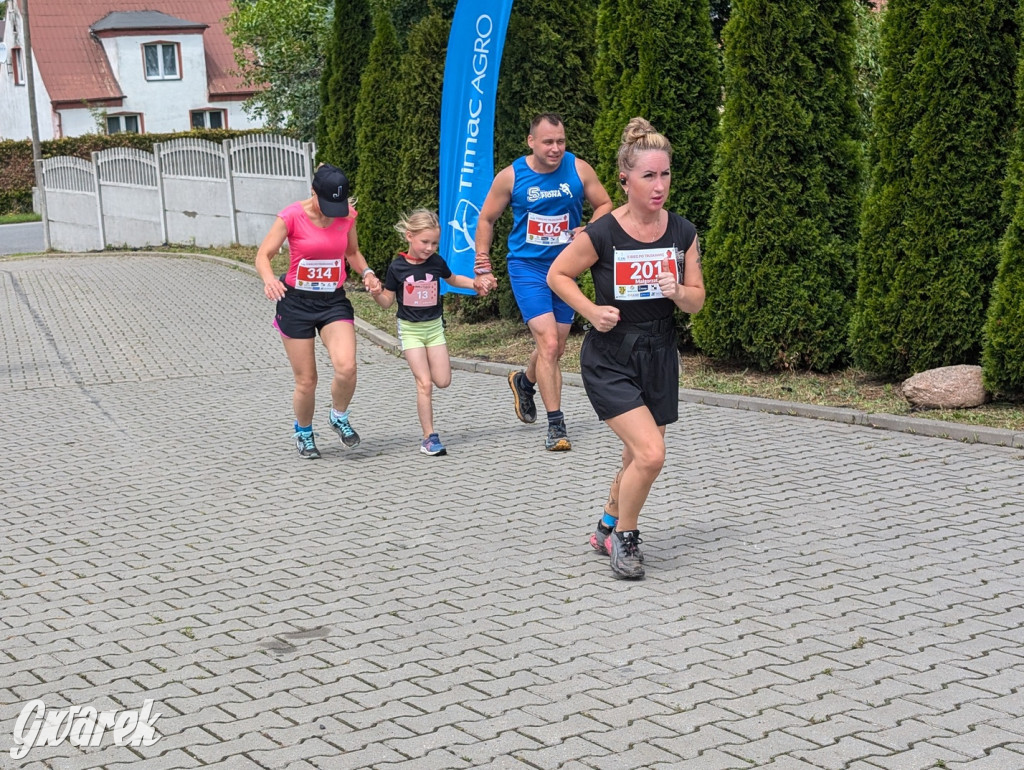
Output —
<point x="306" y="445"/>
<point x="348" y="435"/>
<point x="432" y="446"/>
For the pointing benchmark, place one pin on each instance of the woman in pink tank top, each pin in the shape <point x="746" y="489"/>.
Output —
<point x="310" y="297"/>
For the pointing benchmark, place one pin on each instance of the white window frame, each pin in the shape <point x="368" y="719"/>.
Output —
<point x="206" y="118"/>
<point x="160" y="45"/>
<point x="121" y="120"/>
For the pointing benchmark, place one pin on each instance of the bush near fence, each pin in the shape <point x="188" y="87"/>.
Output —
<point x="17" y="177"/>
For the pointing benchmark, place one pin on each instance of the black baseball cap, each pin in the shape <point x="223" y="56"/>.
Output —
<point x="331" y="187"/>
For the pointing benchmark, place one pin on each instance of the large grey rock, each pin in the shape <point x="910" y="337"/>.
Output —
<point x="948" y="387"/>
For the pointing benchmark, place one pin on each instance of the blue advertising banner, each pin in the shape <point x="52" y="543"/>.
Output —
<point x="467" y="125"/>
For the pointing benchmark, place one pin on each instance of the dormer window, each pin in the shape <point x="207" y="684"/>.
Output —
<point x="161" y="61"/>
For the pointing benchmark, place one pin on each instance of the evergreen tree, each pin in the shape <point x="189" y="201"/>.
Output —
<point x="546" y="66"/>
<point x="418" y="93"/>
<point x="658" y="60"/>
<point x="896" y="111"/>
<point x="927" y="268"/>
<point x="379" y="146"/>
<point x="339" y="85"/>
<point x="1003" y="346"/>
<point x="779" y="259"/>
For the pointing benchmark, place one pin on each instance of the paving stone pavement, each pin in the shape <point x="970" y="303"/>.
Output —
<point x="819" y="595"/>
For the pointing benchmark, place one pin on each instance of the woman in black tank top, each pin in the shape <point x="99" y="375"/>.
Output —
<point x="645" y="262"/>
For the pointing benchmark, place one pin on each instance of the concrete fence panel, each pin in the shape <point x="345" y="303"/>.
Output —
<point x="268" y="172"/>
<point x="197" y="193"/>
<point x="72" y="206"/>
<point x="130" y="198"/>
<point x="188" y="191"/>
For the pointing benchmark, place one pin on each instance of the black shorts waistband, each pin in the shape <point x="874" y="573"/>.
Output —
<point x="628" y="335"/>
<point x="339" y="292"/>
<point x="654" y="328"/>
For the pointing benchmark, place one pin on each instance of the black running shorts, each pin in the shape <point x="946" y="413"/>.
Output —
<point x="622" y="372"/>
<point x="301" y="314"/>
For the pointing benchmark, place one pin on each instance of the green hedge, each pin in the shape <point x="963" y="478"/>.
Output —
<point x="17" y="177"/>
<point x="1002" y="358"/>
<point x="778" y="265"/>
<point x="933" y="220"/>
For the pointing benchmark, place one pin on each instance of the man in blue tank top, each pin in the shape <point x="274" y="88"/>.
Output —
<point x="546" y="190"/>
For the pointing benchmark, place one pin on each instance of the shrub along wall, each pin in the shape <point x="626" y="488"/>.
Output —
<point x="17" y="177"/>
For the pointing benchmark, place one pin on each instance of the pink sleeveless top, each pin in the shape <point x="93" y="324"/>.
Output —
<point x="317" y="253"/>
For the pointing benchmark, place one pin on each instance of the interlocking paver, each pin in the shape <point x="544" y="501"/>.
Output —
<point x="820" y="593"/>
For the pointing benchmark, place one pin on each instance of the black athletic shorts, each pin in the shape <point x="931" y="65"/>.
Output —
<point x="301" y="314"/>
<point x="633" y="365"/>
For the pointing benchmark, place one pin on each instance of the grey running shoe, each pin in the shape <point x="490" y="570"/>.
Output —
<point x="342" y="427"/>
<point x="557" y="440"/>
<point x="626" y="560"/>
<point x="601" y="539"/>
<point x="306" y="445"/>
<point x="526" y="410"/>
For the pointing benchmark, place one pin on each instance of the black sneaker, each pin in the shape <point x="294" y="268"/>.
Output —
<point x="306" y="445"/>
<point x="557" y="440"/>
<point x="526" y="410"/>
<point x="626" y="560"/>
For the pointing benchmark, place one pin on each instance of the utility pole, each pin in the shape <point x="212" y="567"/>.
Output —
<point x="37" y="155"/>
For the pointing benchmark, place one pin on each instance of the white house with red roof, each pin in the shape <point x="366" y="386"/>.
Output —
<point x="120" y="65"/>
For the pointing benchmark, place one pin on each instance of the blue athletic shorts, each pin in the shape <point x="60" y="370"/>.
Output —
<point x="529" y="280"/>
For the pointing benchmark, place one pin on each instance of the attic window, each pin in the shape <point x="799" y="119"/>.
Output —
<point x="161" y="61"/>
<point x="18" y="65"/>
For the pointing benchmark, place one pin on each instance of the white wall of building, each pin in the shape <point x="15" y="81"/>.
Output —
<point x="165" y="105"/>
<point x="14" y="114"/>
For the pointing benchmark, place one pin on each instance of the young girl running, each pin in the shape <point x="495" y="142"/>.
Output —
<point x="414" y="278"/>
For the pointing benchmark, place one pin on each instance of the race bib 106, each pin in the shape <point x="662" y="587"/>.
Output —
<point x="544" y="230"/>
<point x="636" y="272"/>
<point x="318" y="274"/>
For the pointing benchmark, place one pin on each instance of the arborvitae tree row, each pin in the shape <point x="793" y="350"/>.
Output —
<point x="658" y="60"/>
<point x="616" y="60"/>
<point x="546" y="67"/>
<point x="339" y="85"/>
<point x="926" y="276"/>
<point x="778" y="264"/>
<point x="379" y="146"/>
<point x="1003" y="349"/>
<point x="418" y="93"/>
<point x="896" y="111"/>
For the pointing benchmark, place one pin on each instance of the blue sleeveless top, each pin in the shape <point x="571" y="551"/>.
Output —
<point x="543" y="206"/>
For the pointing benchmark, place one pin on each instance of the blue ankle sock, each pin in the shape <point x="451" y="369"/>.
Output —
<point x="609" y="521"/>
<point x="300" y="429"/>
<point x="555" y="417"/>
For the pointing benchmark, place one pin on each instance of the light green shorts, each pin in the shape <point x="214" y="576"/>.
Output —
<point x="421" y="334"/>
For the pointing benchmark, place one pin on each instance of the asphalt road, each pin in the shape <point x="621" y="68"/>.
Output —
<point x="23" y="238"/>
